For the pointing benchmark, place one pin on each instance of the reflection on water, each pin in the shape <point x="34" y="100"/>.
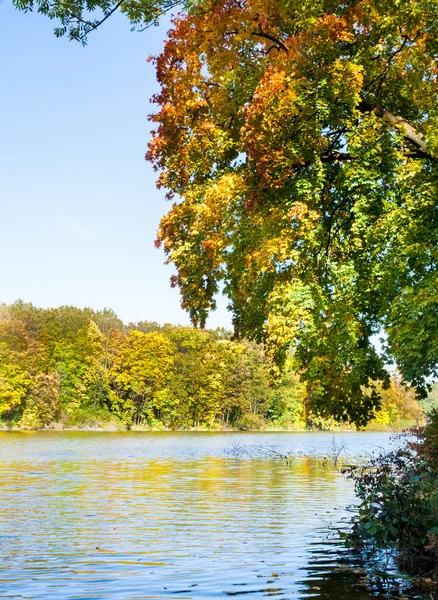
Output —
<point x="162" y="515"/>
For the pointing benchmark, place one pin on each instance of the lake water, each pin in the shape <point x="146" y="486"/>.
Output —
<point x="168" y="515"/>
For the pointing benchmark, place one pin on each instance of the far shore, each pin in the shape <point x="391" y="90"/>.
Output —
<point x="58" y="427"/>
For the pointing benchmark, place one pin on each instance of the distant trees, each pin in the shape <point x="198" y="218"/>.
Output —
<point x="42" y="403"/>
<point x="81" y="367"/>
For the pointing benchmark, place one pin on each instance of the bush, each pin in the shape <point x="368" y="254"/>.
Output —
<point x="82" y="418"/>
<point x="250" y="422"/>
<point x="399" y="501"/>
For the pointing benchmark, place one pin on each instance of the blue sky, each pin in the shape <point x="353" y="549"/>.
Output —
<point x="78" y="204"/>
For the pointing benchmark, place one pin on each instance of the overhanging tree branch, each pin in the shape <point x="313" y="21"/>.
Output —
<point x="401" y="125"/>
<point x="93" y="26"/>
<point x="346" y="156"/>
<point x="278" y="43"/>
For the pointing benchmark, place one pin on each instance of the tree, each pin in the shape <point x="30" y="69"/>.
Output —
<point x="21" y="359"/>
<point x="143" y="367"/>
<point x="299" y="141"/>
<point x="399" y="405"/>
<point x="42" y="404"/>
<point x="62" y="324"/>
<point x="76" y="18"/>
<point x="70" y="370"/>
<point x="94" y="348"/>
<point x="108" y="323"/>
<point x="288" y="406"/>
<point x="189" y="382"/>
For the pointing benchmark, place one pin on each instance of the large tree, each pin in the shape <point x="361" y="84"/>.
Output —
<point x="299" y="143"/>
<point x="298" y="140"/>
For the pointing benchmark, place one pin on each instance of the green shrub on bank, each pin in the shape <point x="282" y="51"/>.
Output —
<point x="87" y="418"/>
<point x="399" y="502"/>
<point x="250" y="422"/>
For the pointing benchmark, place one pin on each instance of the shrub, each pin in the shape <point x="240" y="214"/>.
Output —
<point x="83" y="418"/>
<point x="399" y="501"/>
<point x="250" y="422"/>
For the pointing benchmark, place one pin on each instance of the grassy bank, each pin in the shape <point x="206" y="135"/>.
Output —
<point x="101" y="420"/>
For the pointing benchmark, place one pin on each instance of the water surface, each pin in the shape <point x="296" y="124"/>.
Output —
<point x="165" y="515"/>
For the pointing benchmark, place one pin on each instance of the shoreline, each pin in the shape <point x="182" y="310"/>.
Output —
<point x="147" y="429"/>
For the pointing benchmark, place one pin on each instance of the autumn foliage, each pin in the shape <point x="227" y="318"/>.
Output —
<point x="298" y="142"/>
<point x="70" y="367"/>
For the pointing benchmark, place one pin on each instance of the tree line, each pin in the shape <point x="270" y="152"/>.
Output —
<point x="78" y="367"/>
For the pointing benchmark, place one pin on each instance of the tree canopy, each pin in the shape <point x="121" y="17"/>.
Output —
<point x="299" y="143"/>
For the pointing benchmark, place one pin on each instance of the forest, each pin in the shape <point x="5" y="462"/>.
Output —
<point x="69" y="367"/>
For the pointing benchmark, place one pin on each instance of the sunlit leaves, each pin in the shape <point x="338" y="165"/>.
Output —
<point x="300" y="142"/>
<point x="77" y="19"/>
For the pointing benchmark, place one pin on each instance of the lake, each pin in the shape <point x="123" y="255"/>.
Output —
<point x="137" y="515"/>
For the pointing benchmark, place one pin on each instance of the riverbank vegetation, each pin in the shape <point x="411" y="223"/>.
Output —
<point x="398" y="493"/>
<point x="70" y="367"/>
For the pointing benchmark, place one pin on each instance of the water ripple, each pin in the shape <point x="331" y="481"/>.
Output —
<point x="130" y="516"/>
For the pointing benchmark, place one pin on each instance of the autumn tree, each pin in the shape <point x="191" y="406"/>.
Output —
<point x="141" y="368"/>
<point x="299" y="142"/>
<point x="42" y="403"/>
<point x="399" y="404"/>
<point x="186" y="390"/>
<point x="108" y="323"/>
<point x="94" y="350"/>
<point x="22" y="358"/>
<point x="288" y="404"/>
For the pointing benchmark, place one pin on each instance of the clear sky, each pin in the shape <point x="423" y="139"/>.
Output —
<point x="78" y="204"/>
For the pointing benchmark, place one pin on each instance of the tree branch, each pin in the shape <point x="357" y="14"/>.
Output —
<point x="400" y="124"/>
<point x="278" y="43"/>
<point x="94" y="26"/>
<point x="336" y="155"/>
<point x="158" y="15"/>
<point x="346" y="156"/>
